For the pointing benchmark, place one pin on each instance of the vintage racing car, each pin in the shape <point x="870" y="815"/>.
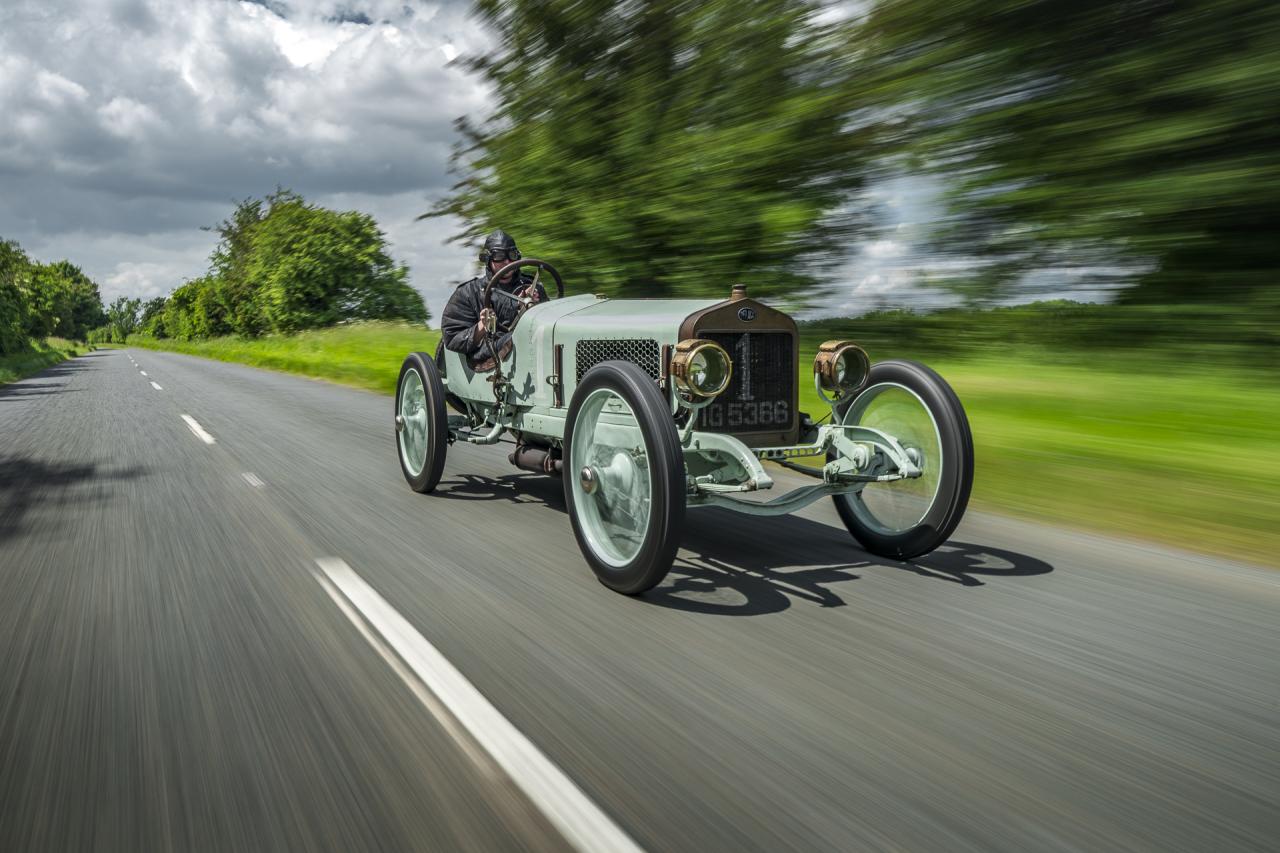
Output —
<point x="647" y="407"/>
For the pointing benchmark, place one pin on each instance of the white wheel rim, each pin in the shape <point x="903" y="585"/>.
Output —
<point x="898" y="506"/>
<point x="614" y="515"/>
<point x="416" y="425"/>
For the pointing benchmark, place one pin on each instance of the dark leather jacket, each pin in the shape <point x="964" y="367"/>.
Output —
<point x="460" y="315"/>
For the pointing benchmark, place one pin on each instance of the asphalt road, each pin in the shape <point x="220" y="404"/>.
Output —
<point x="177" y="674"/>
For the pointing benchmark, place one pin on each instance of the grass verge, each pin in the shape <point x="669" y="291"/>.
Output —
<point x="365" y="355"/>
<point x="1157" y="452"/>
<point x="42" y="354"/>
<point x="1188" y="459"/>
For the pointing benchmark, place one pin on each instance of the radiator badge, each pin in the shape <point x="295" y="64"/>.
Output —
<point x="746" y="315"/>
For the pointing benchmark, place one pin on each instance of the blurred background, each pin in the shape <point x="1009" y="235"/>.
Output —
<point x="1066" y="209"/>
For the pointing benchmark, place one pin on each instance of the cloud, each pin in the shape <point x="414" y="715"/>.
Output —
<point x="57" y="90"/>
<point x="128" y="119"/>
<point x="895" y="268"/>
<point x="129" y="124"/>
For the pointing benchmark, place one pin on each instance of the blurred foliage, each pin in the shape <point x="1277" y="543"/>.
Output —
<point x="38" y="300"/>
<point x="1198" y="336"/>
<point x="1097" y="132"/>
<point x="282" y="265"/>
<point x="664" y="147"/>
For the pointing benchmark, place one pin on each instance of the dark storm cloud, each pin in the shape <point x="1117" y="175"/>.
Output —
<point x="132" y="123"/>
<point x="350" y="17"/>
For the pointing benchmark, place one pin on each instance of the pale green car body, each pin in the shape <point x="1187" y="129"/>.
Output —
<point x="646" y="407"/>
<point x="720" y="468"/>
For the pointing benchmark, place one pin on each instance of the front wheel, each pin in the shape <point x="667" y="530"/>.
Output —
<point x="422" y="426"/>
<point x="624" y="477"/>
<point x="902" y="519"/>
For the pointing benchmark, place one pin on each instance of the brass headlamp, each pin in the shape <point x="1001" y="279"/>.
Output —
<point x="842" y="367"/>
<point x="701" y="368"/>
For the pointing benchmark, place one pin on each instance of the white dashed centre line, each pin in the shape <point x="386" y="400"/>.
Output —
<point x="143" y="372"/>
<point x="156" y="386"/>
<point x="253" y="479"/>
<point x="582" y="823"/>
<point x="197" y="429"/>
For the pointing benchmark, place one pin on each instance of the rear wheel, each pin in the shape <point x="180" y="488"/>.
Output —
<point x="624" y="477"/>
<point x="905" y="518"/>
<point x="422" y="427"/>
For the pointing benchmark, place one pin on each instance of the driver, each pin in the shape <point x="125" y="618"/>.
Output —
<point x="462" y="323"/>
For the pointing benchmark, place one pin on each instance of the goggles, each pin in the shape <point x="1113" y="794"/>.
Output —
<point x="502" y="255"/>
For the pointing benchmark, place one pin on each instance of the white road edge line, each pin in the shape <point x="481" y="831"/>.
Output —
<point x="253" y="479"/>
<point x="579" y="820"/>
<point x="156" y="385"/>
<point x="197" y="429"/>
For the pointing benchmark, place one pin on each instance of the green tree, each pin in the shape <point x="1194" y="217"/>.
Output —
<point x="60" y="300"/>
<point x="282" y="265"/>
<point x="309" y="266"/>
<point x="229" y="266"/>
<point x="1139" y="132"/>
<point x="83" y="299"/>
<point x="122" y="318"/>
<point x="14" y="268"/>
<point x="665" y="147"/>
<point x="178" y="312"/>
<point x="50" y="302"/>
<point x="151" y="321"/>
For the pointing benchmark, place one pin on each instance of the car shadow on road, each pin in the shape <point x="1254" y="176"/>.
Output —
<point x="749" y="566"/>
<point x="733" y="564"/>
<point x="518" y="488"/>
<point x="27" y="485"/>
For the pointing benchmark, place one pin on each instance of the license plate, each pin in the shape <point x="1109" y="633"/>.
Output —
<point x="754" y="413"/>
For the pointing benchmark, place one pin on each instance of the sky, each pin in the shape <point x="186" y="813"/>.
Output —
<point x="127" y="126"/>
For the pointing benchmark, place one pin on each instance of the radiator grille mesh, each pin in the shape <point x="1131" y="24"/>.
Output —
<point x="635" y="350"/>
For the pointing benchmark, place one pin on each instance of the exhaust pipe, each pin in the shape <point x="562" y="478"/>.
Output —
<point x="539" y="460"/>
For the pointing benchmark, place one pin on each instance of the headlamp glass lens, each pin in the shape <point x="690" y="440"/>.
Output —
<point x="707" y="370"/>
<point x="850" y="369"/>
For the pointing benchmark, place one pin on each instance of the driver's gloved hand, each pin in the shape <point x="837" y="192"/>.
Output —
<point x="530" y="293"/>
<point x="486" y="314"/>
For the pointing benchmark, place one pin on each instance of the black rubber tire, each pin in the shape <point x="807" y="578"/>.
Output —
<point x="437" y="420"/>
<point x="957" y="473"/>
<point x="453" y="400"/>
<point x="662" y="444"/>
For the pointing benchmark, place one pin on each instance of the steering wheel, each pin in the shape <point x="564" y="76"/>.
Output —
<point x="486" y="298"/>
